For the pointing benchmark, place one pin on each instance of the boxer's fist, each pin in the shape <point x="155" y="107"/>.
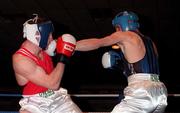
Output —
<point x="65" y="47"/>
<point x="111" y="60"/>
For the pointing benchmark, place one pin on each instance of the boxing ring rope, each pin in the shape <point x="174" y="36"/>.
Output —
<point x="18" y="112"/>
<point x="82" y="95"/>
<point x="78" y="96"/>
<point x="72" y="95"/>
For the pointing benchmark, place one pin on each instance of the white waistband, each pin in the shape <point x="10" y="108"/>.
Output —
<point x="143" y="76"/>
<point x="48" y="93"/>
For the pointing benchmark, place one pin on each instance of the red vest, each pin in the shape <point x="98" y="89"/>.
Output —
<point x="47" y="64"/>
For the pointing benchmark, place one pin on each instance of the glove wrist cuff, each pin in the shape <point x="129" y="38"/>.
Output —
<point x="62" y="58"/>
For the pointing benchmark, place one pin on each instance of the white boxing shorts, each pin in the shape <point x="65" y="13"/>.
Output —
<point x="49" y="102"/>
<point x="144" y="94"/>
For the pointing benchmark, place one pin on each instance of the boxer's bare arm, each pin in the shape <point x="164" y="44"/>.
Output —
<point x="129" y="42"/>
<point x="27" y="70"/>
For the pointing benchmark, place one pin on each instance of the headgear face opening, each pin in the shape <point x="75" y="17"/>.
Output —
<point x="38" y="33"/>
<point x="128" y="21"/>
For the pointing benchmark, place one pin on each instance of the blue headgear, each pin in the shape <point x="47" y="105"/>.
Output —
<point x="128" y="21"/>
<point x="38" y="33"/>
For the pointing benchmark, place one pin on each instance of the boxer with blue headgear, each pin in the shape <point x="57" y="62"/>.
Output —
<point x="128" y="21"/>
<point x="137" y="59"/>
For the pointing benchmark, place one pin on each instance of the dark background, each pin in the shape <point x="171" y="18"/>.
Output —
<point x="158" y="19"/>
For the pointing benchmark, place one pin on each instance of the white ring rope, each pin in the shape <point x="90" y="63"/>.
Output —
<point x="81" y="95"/>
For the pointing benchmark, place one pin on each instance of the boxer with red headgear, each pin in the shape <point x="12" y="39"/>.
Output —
<point x="35" y="72"/>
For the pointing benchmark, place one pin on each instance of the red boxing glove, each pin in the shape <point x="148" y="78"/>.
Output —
<point x="65" y="47"/>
